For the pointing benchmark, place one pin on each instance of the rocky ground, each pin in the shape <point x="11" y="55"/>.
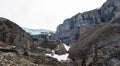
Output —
<point x="13" y="59"/>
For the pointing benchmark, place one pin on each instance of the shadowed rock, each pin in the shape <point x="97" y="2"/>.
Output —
<point x="12" y="35"/>
<point x="99" y="47"/>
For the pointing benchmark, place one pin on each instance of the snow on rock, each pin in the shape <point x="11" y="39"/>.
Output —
<point x="66" y="47"/>
<point x="37" y="31"/>
<point x="59" y="57"/>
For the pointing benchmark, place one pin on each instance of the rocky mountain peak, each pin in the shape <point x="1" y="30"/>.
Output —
<point x="109" y="10"/>
<point x="69" y="31"/>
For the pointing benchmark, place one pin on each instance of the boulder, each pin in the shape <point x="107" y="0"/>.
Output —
<point x="60" y="50"/>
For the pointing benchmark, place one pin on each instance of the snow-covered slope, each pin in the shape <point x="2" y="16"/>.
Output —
<point x="37" y="31"/>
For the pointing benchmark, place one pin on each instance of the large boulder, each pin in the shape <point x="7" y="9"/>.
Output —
<point x="60" y="50"/>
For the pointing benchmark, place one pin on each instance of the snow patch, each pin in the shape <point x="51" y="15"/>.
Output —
<point x="59" y="57"/>
<point x="83" y="24"/>
<point x="66" y="47"/>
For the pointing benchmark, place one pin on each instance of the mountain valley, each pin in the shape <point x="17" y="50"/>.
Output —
<point x="91" y="38"/>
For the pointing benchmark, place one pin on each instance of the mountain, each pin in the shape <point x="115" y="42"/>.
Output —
<point x="17" y="48"/>
<point x="42" y="37"/>
<point x="69" y="31"/>
<point x="12" y="35"/>
<point x="37" y="31"/>
<point x="46" y="39"/>
<point x="93" y="36"/>
<point x="98" y="47"/>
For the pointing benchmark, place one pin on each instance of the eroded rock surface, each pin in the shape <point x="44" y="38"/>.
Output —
<point x="18" y="49"/>
<point x="11" y="35"/>
<point x="70" y="30"/>
<point x="99" y="47"/>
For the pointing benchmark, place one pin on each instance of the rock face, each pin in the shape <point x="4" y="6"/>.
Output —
<point x="18" y="49"/>
<point x="109" y="9"/>
<point x="94" y="37"/>
<point x="46" y="40"/>
<point x="98" y="47"/>
<point x="11" y="35"/>
<point x="70" y="30"/>
<point x="60" y="50"/>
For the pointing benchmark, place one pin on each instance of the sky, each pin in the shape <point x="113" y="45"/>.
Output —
<point x="44" y="14"/>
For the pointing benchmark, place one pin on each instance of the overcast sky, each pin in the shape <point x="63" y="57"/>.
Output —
<point x="44" y="14"/>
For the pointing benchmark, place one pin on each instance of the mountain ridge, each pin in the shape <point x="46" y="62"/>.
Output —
<point x="69" y="31"/>
<point x="94" y="37"/>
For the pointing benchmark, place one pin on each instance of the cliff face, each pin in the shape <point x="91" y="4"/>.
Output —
<point x="69" y="31"/>
<point x="99" y="46"/>
<point x="110" y="9"/>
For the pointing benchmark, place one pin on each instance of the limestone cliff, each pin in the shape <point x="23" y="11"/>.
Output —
<point x="70" y="30"/>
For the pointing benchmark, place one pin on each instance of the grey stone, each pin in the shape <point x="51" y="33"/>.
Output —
<point x="70" y="30"/>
